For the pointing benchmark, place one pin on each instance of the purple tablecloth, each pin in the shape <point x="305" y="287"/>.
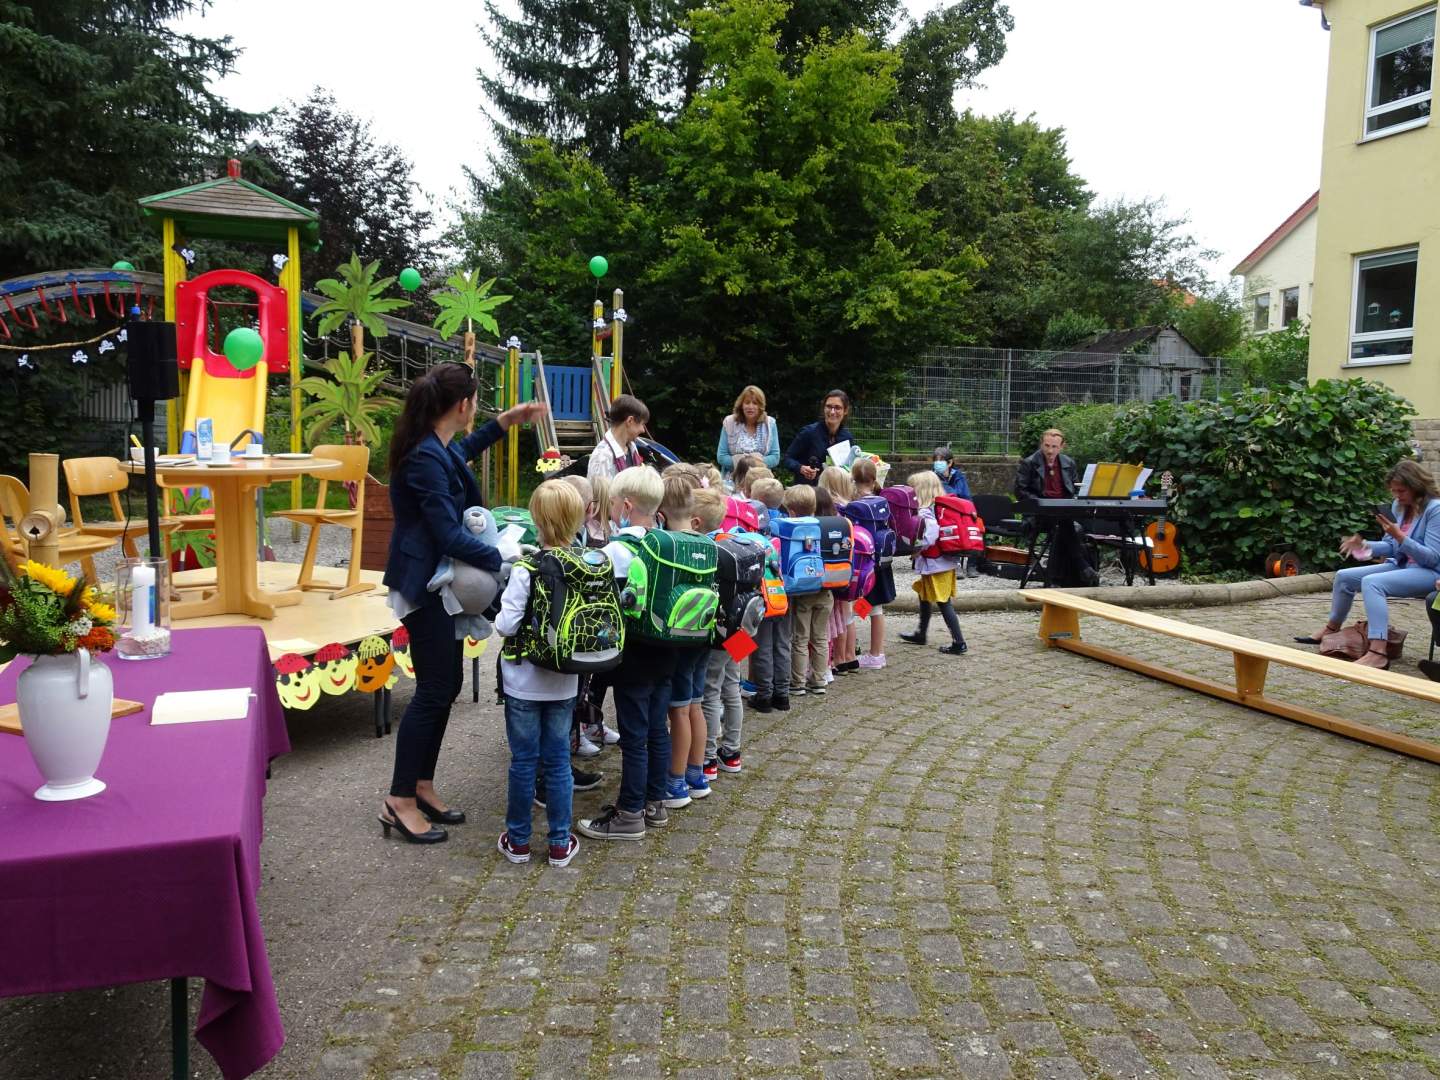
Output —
<point x="155" y="877"/>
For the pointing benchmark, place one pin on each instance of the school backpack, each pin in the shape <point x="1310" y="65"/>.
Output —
<point x="775" y="516"/>
<point x="872" y="513"/>
<point x="904" y="516"/>
<point x="739" y="514"/>
<point x="670" y="590"/>
<point x="762" y="517"/>
<point x="801" y="568"/>
<point x="516" y="515"/>
<point x="836" y="544"/>
<point x="961" y="530"/>
<point x="572" y="620"/>
<point x="740" y="577"/>
<point x="862" y="565"/>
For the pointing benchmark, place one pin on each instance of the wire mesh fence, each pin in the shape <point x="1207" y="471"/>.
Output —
<point x="975" y="399"/>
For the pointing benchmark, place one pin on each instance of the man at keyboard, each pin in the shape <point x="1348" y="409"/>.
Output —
<point x="1049" y="473"/>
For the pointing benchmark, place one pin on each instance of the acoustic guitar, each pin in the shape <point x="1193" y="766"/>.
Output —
<point x="1161" y="553"/>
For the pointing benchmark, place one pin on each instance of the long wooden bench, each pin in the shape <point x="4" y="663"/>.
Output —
<point x="1060" y="628"/>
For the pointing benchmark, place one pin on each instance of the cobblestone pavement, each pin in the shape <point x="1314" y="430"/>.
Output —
<point x="1016" y="863"/>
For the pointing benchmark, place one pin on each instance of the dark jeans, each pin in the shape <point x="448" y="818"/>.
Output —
<point x="642" y="714"/>
<point x="438" y="656"/>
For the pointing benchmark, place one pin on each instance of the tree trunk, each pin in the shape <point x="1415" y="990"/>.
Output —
<point x="357" y="339"/>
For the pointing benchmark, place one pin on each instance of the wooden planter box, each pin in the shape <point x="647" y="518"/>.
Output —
<point x="379" y="521"/>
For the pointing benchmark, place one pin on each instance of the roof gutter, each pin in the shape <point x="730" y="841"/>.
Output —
<point x="1324" y="22"/>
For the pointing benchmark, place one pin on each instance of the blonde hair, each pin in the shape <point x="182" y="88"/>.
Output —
<point x="755" y="394"/>
<point x="837" y="482"/>
<point x="864" y="474"/>
<point x="558" y="512"/>
<point x="682" y="468"/>
<point x="927" y="487"/>
<point x="582" y="485"/>
<point x="598" y="524"/>
<point x="679" y="491"/>
<point x="769" y="491"/>
<point x="711" y="475"/>
<point x="1052" y="431"/>
<point x="641" y="485"/>
<point x="799" y="500"/>
<point x="708" y="507"/>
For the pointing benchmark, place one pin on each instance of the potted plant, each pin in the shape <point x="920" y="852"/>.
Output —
<point x="468" y="301"/>
<point x="64" y="699"/>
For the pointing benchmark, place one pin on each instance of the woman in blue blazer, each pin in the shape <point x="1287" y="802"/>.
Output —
<point x="431" y="486"/>
<point x="1411" y="550"/>
<point x="808" y="453"/>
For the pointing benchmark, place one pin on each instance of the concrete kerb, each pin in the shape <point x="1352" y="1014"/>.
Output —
<point x="1138" y="596"/>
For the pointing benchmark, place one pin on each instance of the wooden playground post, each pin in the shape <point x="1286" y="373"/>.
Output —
<point x="597" y="321"/>
<point x="40" y="527"/>
<point x="290" y="282"/>
<point x="512" y="437"/>
<point x="617" y="333"/>
<point x="174" y="271"/>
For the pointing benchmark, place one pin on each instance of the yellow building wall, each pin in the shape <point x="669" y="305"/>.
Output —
<point x="1375" y="195"/>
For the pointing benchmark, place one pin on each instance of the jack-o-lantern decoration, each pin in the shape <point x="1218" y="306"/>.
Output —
<point x="376" y="662"/>
<point x="400" y="648"/>
<point x="335" y="665"/>
<point x="295" y="682"/>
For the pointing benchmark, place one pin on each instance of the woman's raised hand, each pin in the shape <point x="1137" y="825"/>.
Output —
<point x="524" y="413"/>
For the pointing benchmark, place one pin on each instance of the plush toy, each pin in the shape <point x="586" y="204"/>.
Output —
<point x="467" y="591"/>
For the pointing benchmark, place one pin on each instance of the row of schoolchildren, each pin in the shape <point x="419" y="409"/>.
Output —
<point x="690" y="579"/>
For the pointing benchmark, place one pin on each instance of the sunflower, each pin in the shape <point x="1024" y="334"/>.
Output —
<point x="57" y="581"/>
<point x="100" y="613"/>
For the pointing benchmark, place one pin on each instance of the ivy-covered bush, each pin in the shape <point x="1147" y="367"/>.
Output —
<point x="1086" y="427"/>
<point x="1296" y="467"/>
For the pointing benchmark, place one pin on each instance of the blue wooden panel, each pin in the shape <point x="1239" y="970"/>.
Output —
<point x="569" y="392"/>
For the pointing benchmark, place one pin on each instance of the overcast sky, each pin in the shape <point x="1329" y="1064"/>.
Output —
<point x="1216" y="107"/>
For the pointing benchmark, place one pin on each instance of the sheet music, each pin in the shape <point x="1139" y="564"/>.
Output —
<point x="1143" y="478"/>
<point x="1087" y="481"/>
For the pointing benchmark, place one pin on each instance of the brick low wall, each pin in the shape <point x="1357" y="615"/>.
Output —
<point x="1427" y="434"/>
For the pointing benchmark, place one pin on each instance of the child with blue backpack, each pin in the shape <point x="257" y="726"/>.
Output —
<point x="641" y="684"/>
<point x="810" y="612"/>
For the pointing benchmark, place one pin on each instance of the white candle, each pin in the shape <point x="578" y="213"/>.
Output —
<point x="142" y="584"/>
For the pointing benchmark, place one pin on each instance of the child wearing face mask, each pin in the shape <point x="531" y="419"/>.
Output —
<point x="953" y="480"/>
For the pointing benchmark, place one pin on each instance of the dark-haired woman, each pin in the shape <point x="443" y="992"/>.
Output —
<point x="807" y="453"/>
<point x="617" y="450"/>
<point x="431" y="485"/>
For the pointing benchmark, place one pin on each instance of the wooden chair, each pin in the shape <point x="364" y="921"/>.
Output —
<point x="95" y="476"/>
<point x="14" y="505"/>
<point x="354" y="461"/>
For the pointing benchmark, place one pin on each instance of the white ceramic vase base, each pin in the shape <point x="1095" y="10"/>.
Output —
<point x="67" y="792"/>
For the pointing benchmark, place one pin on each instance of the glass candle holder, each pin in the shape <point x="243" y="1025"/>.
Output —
<point x="142" y="605"/>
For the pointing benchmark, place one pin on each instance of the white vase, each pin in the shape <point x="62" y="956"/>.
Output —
<point x="65" y="714"/>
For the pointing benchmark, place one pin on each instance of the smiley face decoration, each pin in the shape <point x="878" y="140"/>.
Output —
<point x="376" y="665"/>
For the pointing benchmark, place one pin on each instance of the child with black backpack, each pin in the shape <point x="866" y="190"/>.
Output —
<point x="936" y="584"/>
<point x="539" y="703"/>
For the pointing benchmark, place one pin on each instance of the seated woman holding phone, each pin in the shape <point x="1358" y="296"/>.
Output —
<point x="1411" y="553"/>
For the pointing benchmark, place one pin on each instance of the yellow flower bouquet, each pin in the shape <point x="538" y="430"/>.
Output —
<point x="46" y="612"/>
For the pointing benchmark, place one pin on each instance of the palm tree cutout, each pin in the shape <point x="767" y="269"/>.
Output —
<point x="356" y="297"/>
<point x="468" y="301"/>
<point x="347" y="398"/>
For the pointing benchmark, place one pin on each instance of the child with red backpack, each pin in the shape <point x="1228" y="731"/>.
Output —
<point x="935" y="563"/>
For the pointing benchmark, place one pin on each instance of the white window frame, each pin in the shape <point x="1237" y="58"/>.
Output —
<point x="1372" y="111"/>
<point x="1378" y="335"/>
<point x="1269" y="298"/>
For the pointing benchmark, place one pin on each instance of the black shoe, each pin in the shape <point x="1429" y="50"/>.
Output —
<point x="1430" y="669"/>
<point x="955" y="648"/>
<point x="762" y="702"/>
<point x="848" y="666"/>
<point x="439" y="817"/>
<point x="390" y="820"/>
<point x="916" y="638"/>
<point x="780" y="703"/>
<point x="584" y="779"/>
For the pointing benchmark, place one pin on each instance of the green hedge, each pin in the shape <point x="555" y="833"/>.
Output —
<point x="1296" y="468"/>
<point x="1086" y="427"/>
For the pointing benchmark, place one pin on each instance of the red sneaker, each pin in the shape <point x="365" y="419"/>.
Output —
<point x="562" y="854"/>
<point x="711" y="768"/>
<point x="729" y="760"/>
<point x="516" y="853"/>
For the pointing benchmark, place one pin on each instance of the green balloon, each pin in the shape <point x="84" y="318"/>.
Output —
<point x="123" y="265"/>
<point x="409" y="279"/>
<point x="244" y="348"/>
<point x="599" y="266"/>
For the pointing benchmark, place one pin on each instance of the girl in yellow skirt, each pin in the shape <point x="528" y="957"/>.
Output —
<point x="936" y="584"/>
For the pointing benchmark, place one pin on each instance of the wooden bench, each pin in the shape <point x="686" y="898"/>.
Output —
<point x="1060" y="628"/>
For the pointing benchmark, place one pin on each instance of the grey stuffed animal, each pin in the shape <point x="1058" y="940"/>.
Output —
<point x="467" y="591"/>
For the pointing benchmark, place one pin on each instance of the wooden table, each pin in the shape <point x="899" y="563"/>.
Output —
<point x="232" y="494"/>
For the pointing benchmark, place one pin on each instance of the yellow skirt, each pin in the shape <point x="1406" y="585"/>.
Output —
<point x="936" y="588"/>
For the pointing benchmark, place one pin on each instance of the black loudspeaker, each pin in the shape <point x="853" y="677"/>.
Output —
<point x="154" y="373"/>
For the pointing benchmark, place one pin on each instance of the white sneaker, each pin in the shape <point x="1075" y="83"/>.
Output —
<point x="587" y="748"/>
<point x="829" y="677"/>
<point x="611" y="735"/>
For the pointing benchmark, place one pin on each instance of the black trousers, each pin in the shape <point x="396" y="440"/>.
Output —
<point x="439" y="659"/>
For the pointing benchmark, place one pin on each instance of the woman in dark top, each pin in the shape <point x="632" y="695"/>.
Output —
<point x="431" y="486"/>
<point x="806" y="456"/>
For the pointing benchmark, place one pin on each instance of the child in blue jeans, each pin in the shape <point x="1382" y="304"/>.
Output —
<point x="686" y="779"/>
<point x="539" y="703"/>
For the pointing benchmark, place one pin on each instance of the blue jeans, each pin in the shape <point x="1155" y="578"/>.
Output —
<point x="539" y="733"/>
<point x="1376" y="584"/>
<point x="642" y="713"/>
<point x="687" y="683"/>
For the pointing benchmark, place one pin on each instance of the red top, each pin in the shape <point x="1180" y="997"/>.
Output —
<point x="1054" y="486"/>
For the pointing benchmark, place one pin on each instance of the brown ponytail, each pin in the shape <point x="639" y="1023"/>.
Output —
<point x="431" y="396"/>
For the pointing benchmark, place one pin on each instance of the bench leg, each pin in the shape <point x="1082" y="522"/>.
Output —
<point x="1058" y="622"/>
<point x="1250" y="675"/>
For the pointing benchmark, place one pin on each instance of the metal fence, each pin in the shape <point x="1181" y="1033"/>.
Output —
<point x="975" y="399"/>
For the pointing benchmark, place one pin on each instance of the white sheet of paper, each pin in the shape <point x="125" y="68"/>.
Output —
<point x="1085" y="483"/>
<point x="193" y="706"/>
<point x="295" y="645"/>
<point x="1143" y="479"/>
<point x="839" y="454"/>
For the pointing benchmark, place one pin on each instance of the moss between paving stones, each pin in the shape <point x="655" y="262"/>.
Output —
<point x="1138" y="596"/>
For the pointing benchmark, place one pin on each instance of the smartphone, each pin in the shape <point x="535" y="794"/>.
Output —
<point x="1385" y="513"/>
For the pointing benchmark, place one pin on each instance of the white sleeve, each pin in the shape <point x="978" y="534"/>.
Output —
<point x="930" y="531"/>
<point x="513" y="602"/>
<point x="620" y="557"/>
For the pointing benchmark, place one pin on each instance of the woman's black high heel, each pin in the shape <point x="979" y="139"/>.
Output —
<point x="440" y="817"/>
<point x="429" y="836"/>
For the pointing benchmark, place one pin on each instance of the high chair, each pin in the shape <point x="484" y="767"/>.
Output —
<point x="354" y="461"/>
<point x="14" y="505"/>
<point x="91" y="476"/>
